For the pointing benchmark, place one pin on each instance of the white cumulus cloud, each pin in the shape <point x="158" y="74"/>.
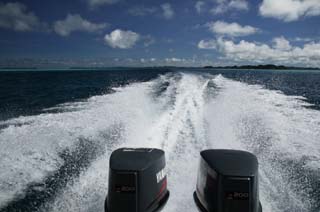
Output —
<point x="231" y="29"/>
<point x="223" y="6"/>
<point x="16" y="16"/>
<point x="122" y="39"/>
<point x="168" y="11"/>
<point x="280" y="53"/>
<point x="289" y="10"/>
<point x="98" y="3"/>
<point x="76" y="23"/>
<point x="281" y="43"/>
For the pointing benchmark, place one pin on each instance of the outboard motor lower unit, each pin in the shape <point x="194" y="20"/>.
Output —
<point x="227" y="182"/>
<point x="137" y="181"/>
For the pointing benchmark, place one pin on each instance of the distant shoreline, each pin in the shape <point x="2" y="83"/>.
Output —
<point x="242" y="67"/>
<point x="264" y="67"/>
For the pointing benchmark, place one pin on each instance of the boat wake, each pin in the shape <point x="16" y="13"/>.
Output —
<point x="59" y="161"/>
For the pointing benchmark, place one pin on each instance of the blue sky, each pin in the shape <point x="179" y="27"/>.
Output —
<point x="151" y="33"/>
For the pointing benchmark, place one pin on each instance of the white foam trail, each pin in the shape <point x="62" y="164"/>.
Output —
<point x="274" y="126"/>
<point x="183" y="120"/>
<point x="31" y="151"/>
<point x="176" y="129"/>
<point x="181" y="130"/>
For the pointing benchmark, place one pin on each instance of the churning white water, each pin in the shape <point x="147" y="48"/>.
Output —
<point x="181" y="113"/>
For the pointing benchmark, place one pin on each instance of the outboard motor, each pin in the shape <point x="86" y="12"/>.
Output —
<point x="137" y="181"/>
<point x="227" y="182"/>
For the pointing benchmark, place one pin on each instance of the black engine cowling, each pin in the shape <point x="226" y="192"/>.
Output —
<point x="227" y="182"/>
<point x="137" y="181"/>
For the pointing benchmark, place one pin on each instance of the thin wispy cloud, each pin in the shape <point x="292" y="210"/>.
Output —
<point x="300" y="39"/>
<point x="16" y="16"/>
<point x="74" y="23"/>
<point x="199" y="6"/>
<point x="148" y="40"/>
<point x="223" y="6"/>
<point x="207" y="44"/>
<point x="168" y="11"/>
<point x="98" y="3"/>
<point x="174" y="60"/>
<point x="231" y="29"/>
<point x="142" y="10"/>
<point x="165" y="11"/>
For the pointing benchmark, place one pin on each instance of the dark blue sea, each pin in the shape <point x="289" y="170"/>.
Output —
<point x="59" y="127"/>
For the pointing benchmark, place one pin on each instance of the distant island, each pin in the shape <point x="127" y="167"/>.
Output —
<point x="243" y="67"/>
<point x="268" y="66"/>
